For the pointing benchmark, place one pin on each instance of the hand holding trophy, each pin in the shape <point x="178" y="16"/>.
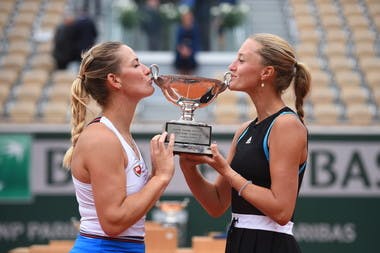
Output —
<point x="189" y="93"/>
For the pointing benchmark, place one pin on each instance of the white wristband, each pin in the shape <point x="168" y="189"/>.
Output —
<point x="244" y="185"/>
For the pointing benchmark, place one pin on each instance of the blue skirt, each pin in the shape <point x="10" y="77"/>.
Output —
<point x="84" y="244"/>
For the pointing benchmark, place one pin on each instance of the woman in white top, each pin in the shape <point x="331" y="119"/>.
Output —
<point x="112" y="186"/>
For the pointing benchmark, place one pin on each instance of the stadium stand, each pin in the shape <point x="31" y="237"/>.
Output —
<point x="338" y="39"/>
<point x="345" y="54"/>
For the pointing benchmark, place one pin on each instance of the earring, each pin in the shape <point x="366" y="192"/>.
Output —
<point x="262" y="85"/>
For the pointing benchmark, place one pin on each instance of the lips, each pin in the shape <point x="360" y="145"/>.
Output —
<point x="148" y="81"/>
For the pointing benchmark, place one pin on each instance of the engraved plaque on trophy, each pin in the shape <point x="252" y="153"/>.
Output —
<point x="189" y="93"/>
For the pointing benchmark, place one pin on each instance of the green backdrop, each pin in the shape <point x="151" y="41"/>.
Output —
<point x="337" y="210"/>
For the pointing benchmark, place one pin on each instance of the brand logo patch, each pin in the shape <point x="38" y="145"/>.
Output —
<point x="249" y="140"/>
<point x="137" y="170"/>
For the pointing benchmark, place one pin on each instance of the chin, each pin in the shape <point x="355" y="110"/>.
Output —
<point x="231" y="87"/>
<point x="151" y="92"/>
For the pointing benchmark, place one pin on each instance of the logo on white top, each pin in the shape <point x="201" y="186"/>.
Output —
<point x="137" y="170"/>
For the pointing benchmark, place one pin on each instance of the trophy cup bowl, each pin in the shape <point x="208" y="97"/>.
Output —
<point x="189" y="93"/>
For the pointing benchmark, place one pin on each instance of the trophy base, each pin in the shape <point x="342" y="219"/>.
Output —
<point x="192" y="138"/>
<point x="191" y="149"/>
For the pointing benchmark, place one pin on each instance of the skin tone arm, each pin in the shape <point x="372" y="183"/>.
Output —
<point x="214" y="197"/>
<point x="287" y="152"/>
<point x="105" y="161"/>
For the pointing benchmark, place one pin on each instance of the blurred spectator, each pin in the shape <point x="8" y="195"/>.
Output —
<point x="85" y="34"/>
<point x="227" y="1"/>
<point x="152" y="24"/>
<point x="187" y="44"/>
<point x="63" y="42"/>
<point x="71" y="38"/>
<point x="202" y="16"/>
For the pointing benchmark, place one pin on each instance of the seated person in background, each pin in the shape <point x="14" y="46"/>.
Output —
<point x="187" y="44"/>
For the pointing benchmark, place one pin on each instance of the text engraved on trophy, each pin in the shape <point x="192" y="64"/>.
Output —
<point x="194" y="134"/>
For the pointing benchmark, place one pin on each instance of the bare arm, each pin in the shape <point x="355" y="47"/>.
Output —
<point x="105" y="162"/>
<point x="288" y="149"/>
<point x="215" y="197"/>
<point x="287" y="152"/>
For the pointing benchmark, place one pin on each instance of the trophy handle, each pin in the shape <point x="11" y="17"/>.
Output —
<point x="227" y="79"/>
<point x="154" y="70"/>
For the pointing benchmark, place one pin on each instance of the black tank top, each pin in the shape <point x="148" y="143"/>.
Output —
<point x="251" y="160"/>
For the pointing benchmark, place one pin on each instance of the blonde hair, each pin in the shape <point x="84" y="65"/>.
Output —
<point x="97" y="62"/>
<point x="278" y="53"/>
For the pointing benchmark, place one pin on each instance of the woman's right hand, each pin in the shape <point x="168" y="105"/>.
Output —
<point x="162" y="157"/>
<point x="189" y="161"/>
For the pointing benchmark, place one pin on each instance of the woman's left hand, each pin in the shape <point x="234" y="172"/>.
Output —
<point x="217" y="161"/>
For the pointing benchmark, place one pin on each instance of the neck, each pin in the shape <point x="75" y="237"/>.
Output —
<point x="267" y="106"/>
<point x="121" y="117"/>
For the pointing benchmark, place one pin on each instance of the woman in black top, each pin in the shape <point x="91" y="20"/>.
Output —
<point x="261" y="177"/>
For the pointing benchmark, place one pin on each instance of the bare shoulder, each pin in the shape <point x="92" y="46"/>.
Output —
<point x="290" y="124"/>
<point x="97" y="136"/>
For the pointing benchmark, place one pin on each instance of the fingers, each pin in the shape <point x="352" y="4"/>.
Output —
<point x="155" y="139"/>
<point x="214" y="150"/>
<point x="153" y="143"/>
<point x="158" y="142"/>
<point x="191" y="157"/>
<point x="162" y="137"/>
<point x="171" y="143"/>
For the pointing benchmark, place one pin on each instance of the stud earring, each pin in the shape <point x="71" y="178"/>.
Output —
<point x="262" y="85"/>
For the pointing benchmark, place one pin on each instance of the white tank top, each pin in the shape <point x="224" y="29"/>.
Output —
<point x="136" y="175"/>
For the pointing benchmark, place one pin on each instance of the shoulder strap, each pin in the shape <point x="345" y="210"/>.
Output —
<point x="246" y="130"/>
<point x="243" y="133"/>
<point x="265" y="141"/>
<point x="96" y="120"/>
<point x="123" y="142"/>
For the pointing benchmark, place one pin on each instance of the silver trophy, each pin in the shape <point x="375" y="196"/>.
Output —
<point x="189" y="93"/>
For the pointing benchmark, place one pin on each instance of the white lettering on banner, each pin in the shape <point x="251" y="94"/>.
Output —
<point x="10" y="231"/>
<point x="334" y="168"/>
<point x="36" y="231"/>
<point x="50" y="230"/>
<point x="325" y="232"/>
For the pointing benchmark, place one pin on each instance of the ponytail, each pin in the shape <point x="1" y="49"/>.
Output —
<point x="79" y="101"/>
<point x="96" y="63"/>
<point x="302" y="80"/>
<point x="278" y="53"/>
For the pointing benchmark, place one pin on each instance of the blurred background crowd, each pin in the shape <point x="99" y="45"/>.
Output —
<point x="339" y="40"/>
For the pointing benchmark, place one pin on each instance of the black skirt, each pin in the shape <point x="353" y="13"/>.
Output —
<point x="243" y="240"/>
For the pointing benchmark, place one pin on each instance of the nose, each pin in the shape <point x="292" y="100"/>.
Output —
<point x="146" y="70"/>
<point x="232" y="66"/>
